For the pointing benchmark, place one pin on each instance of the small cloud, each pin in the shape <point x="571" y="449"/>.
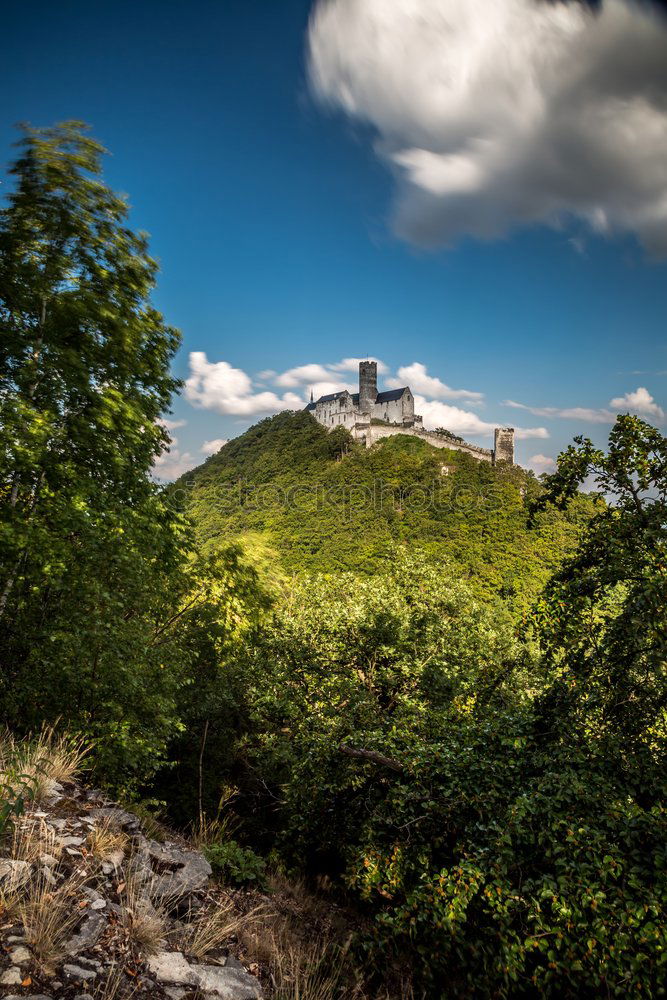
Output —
<point x="301" y="375"/>
<point x="214" y="446"/>
<point x="639" y="401"/>
<point x="540" y="463"/>
<point x="171" y="425"/>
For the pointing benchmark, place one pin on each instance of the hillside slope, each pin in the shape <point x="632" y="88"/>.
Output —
<point x="321" y="503"/>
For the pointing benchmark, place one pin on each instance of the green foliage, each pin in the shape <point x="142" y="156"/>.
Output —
<point x="16" y="790"/>
<point x="325" y="504"/>
<point x="235" y="864"/>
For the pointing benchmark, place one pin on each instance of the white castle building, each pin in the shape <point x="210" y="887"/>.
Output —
<point x="370" y="415"/>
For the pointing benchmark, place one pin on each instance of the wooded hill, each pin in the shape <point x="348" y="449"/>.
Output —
<point x="322" y="503"/>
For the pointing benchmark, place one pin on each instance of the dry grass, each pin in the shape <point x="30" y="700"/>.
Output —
<point x="144" y="916"/>
<point x="49" y="916"/>
<point x="115" y="986"/>
<point x="105" y="841"/>
<point x="40" y="761"/>
<point x="211" y="929"/>
<point x="31" y="839"/>
<point x="312" y="970"/>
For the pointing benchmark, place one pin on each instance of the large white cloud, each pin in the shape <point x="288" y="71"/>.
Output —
<point x="452" y="418"/>
<point x="417" y="377"/>
<point x="498" y="113"/>
<point x="216" y="385"/>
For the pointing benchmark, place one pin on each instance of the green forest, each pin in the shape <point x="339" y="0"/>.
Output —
<point x="432" y="688"/>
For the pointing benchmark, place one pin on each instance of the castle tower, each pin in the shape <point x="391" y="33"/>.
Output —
<point x="503" y="445"/>
<point x="368" y="385"/>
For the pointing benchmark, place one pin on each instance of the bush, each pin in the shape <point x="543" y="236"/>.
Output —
<point x="236" y="864"/>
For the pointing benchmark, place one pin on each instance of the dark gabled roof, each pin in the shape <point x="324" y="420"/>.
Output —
<point x="382" y="397"/>
<point x="390" y="394"/>
<point x="334" y="395"/>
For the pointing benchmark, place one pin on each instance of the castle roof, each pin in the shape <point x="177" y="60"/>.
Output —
<point x="382" y="397"/>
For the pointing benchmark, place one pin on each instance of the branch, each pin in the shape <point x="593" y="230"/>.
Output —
<point x="373" y="757"/>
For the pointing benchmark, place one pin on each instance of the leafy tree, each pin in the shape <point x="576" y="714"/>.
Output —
<point x="88" y="548"/>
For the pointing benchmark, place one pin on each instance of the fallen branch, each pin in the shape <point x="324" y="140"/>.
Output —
<point x="373" y="757"/>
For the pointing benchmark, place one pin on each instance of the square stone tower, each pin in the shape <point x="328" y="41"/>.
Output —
<point x="503" y="445"/>
<point x="368" y="385"/>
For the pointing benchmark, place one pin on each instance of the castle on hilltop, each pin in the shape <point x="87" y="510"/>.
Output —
<point x="370" y="415"/>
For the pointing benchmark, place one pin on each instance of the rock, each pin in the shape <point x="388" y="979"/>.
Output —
<point x="83" y="996"/>
<point x="20" y="955"/>
<point x="11" y="977"/>
<point x="174" y="871"/>
<point x="230" y="984"/>
<point x="47" y="860"/>
<point x="48" y="875"/>
<point x="58" y="824"/>
<point x="76" y="972"/>
<point x="13" y="872"/>
<point x="87" y="935"/>
<point x="233" y="963"/>
<point x="171" y="967"/>
<point x="117" y="817"/>
<point x="98" y="904"/>
<point x="71" y="841"/>
<point x="53" y="793"/>
<point x="175" y="992"/>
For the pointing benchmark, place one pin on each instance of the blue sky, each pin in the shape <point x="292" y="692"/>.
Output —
<point x="274" y="218"/>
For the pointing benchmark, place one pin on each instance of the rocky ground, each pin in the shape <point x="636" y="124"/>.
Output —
<point x="90" y="906"/>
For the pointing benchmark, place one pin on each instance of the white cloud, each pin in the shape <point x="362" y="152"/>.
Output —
<point x="438" y="414"/>
<point x="219" y="387"/>
<point x="214" y="446"/>
<point x="541" y="463"/>
<point x="417" y="377"/>
<point x="171" y="425"/>
<point x="567" y="413"/>
<point x="352" y="365"/>
<point x="639" y="401"/>
<point x="499" y="113"/>
<point x="301" y="375"/>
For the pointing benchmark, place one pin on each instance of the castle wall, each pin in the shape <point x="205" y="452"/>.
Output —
<point x="375" y="432"/>
<point x="336" y="413"/>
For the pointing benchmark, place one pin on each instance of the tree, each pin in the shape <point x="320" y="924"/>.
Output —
<point x="89" y="550"/>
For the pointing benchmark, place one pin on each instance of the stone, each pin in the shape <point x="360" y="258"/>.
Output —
<point x="117" y="817"/>
<point x="76" y="972"/>
<point x="47" y="860"/>
<point x="175" y="992"/>
<point x="88" y="933"/>
<point x="71" y="841"/>
<point x="11" y="977"/>
<point x="175" y="871"/>
<point x="20" y="955"/>
<point x="98" y="904"/>
<point x="48" y="875"/>
<point x="228" y="983"/>
<point x="14" y="872"/>
<point x="233" y="963"/>
<point x="171" y="967"/>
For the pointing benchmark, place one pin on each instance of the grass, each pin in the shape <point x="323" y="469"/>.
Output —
<point x="105" y="841"/>
<point x="37" y="763"/>
<point x="213" y="928"/>
<point x="144" y="916"/>
<point x="49" y="916"/>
